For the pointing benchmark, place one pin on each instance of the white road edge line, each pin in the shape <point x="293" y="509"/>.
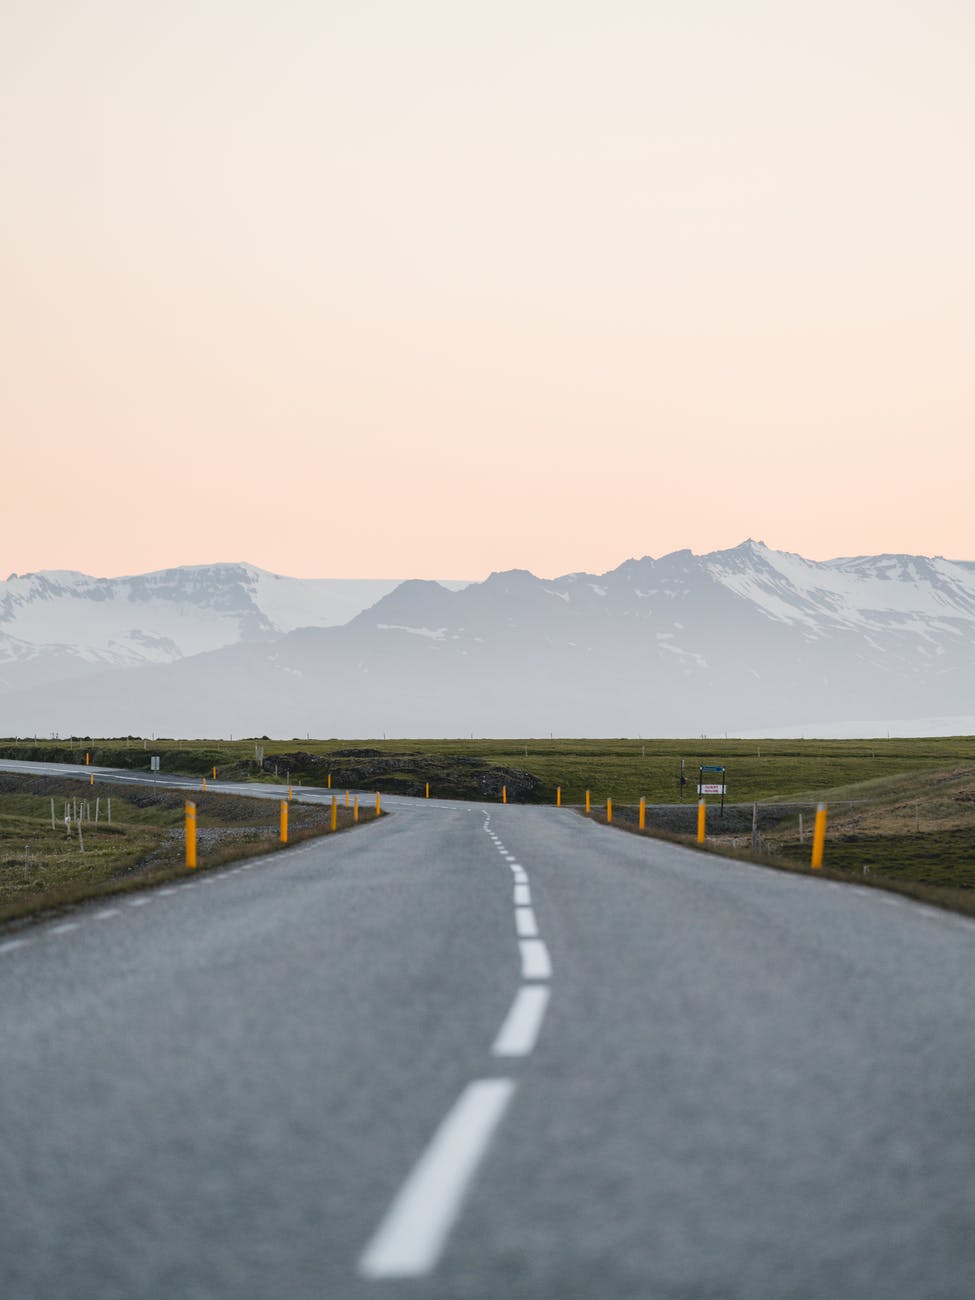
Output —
<point x="412" y="1235"/>
<point x="519" y="1033"/>
<point x="535" y="961"/>
<point x="9" y="944"/>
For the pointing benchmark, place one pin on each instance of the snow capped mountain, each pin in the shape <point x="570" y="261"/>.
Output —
<point x="865" y="592"/>
<point x="62" y="624"/>
<point x="737" y="640"/>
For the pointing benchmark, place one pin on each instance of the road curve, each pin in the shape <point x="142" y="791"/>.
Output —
<point x="478" y="1052"/>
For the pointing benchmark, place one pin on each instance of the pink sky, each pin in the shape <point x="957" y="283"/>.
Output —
<point x="430" y="289"/>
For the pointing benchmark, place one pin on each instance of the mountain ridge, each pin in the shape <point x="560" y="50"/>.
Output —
<point x="732" y="640"/>
<point x="66" y="624"/>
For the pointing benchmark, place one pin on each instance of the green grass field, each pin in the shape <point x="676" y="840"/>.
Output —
<point x="624" y="769"/>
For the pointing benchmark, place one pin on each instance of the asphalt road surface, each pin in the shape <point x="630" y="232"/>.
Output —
<point x="483" y="1051"/>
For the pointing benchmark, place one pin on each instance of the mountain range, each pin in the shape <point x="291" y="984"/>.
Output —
<point x="746" y="640"/>
<point x="62" y="625"/>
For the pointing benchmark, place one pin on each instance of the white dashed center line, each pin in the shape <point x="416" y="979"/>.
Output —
<point x="535" y="961"/>
<point x="410" y="1239"/>
<point x="518" y="1034"/>
<point x="525" y="923"/>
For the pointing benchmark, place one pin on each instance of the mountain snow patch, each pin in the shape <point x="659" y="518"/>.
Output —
<point x="434" y="633"/>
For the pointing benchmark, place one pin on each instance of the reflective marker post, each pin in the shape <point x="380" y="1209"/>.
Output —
<point x="819" y="836"/>
<point x="189" y="810"/>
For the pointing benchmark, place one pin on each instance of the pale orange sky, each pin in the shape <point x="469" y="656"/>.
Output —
<point x="434" y="288"/>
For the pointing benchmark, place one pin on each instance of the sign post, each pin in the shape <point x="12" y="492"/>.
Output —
<point x="712" y="785"/>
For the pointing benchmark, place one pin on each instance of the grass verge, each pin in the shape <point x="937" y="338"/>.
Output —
<point x="911" y="835"/>
<point x="128" y="840"/>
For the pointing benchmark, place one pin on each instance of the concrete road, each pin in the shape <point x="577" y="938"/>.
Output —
<point x="489" y="1052"/>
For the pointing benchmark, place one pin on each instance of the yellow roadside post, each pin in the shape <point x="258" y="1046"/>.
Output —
<point x="189" y="810"/>
<point x="333" y="820"/>
<point x="290" y="794"/>
<point x="558" y="796"/>
<point x="87" y="758"/>
<point x="643" y="814"/>
<point x="427" y="794"/>
<point x="91" y="778"/>
<point x="355" y="809"/>
<point x="504" y="794"/>
<point x="702" y="813"/>
<point x="609" y="811"/>
<point x="284" y="821"/>
<point x="204" y="783"/>
<point x="819" y="835"/>
<point x="214" y="774"/>
<point x="378" y="804"/>
<point x="329" y="785"/>
<point x="588" y="808"/>
<point x="346" y="798"/>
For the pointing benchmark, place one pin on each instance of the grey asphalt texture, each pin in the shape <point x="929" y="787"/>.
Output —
<point x="748" y="1084"/>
